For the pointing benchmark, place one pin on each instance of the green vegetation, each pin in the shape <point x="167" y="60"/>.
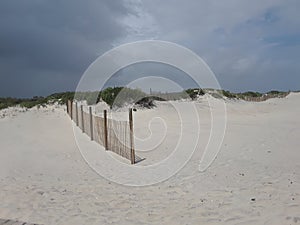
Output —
<point x="109" y="95"/>
<point x="228" y="94"/>
<point x="91" y="97"/>
<point x="118" y="96"/>
<point x="39" y="101"/>
<point x="27" y="103"/>
<point x="7" y="102"/>
<point x="194" y="92"/>
<point x="62" y="97"/>
<point x="277" y="93"/>
<point x="250" y="94"/>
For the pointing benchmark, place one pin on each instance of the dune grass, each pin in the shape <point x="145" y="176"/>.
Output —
<point x="118" y="96"/>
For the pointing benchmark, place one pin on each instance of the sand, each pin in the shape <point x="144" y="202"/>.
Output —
<point x="255" y="178"/>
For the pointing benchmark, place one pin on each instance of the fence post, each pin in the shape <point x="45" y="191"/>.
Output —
<point x="68" y="107"/>
<point x="76" y="105"/>
<point x="71" y="109"/>
<point x="105" y="131"/>
<point x="91" y="122"/>
<point x="82" y="119"/>
<point x="132" y="153"/>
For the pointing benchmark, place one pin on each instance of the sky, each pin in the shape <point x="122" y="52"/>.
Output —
<point x="46" y="45"/>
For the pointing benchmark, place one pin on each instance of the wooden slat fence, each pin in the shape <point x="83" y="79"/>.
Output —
<point x="113" y="135"/>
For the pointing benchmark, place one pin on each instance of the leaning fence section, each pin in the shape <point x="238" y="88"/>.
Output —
<point x="113" y="135"/>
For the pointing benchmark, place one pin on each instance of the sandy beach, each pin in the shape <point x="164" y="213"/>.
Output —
<point x="255" y="178"/>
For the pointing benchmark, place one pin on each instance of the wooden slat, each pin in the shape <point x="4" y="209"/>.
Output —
<point x="132" y="152"/>
<point x="91" y="123"/>
<point x="105" y="130"/>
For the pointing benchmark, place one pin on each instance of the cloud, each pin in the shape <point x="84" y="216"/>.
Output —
<point x="244" y="39"/>
<point x="40" y="40"/>
<point x="45" y="46"/>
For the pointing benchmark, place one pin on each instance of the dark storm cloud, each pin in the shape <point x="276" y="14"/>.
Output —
<point x="45" y="46"/>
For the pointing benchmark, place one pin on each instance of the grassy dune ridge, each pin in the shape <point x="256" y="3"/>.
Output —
<point x="112" y="97"/>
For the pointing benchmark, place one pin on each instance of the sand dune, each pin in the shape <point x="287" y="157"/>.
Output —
<point x="255" y="178"/>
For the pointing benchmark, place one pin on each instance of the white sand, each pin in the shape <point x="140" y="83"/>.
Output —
<point x="44" y="178"/>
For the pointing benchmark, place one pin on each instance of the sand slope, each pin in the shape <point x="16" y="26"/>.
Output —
<point x="254" y="180"/>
